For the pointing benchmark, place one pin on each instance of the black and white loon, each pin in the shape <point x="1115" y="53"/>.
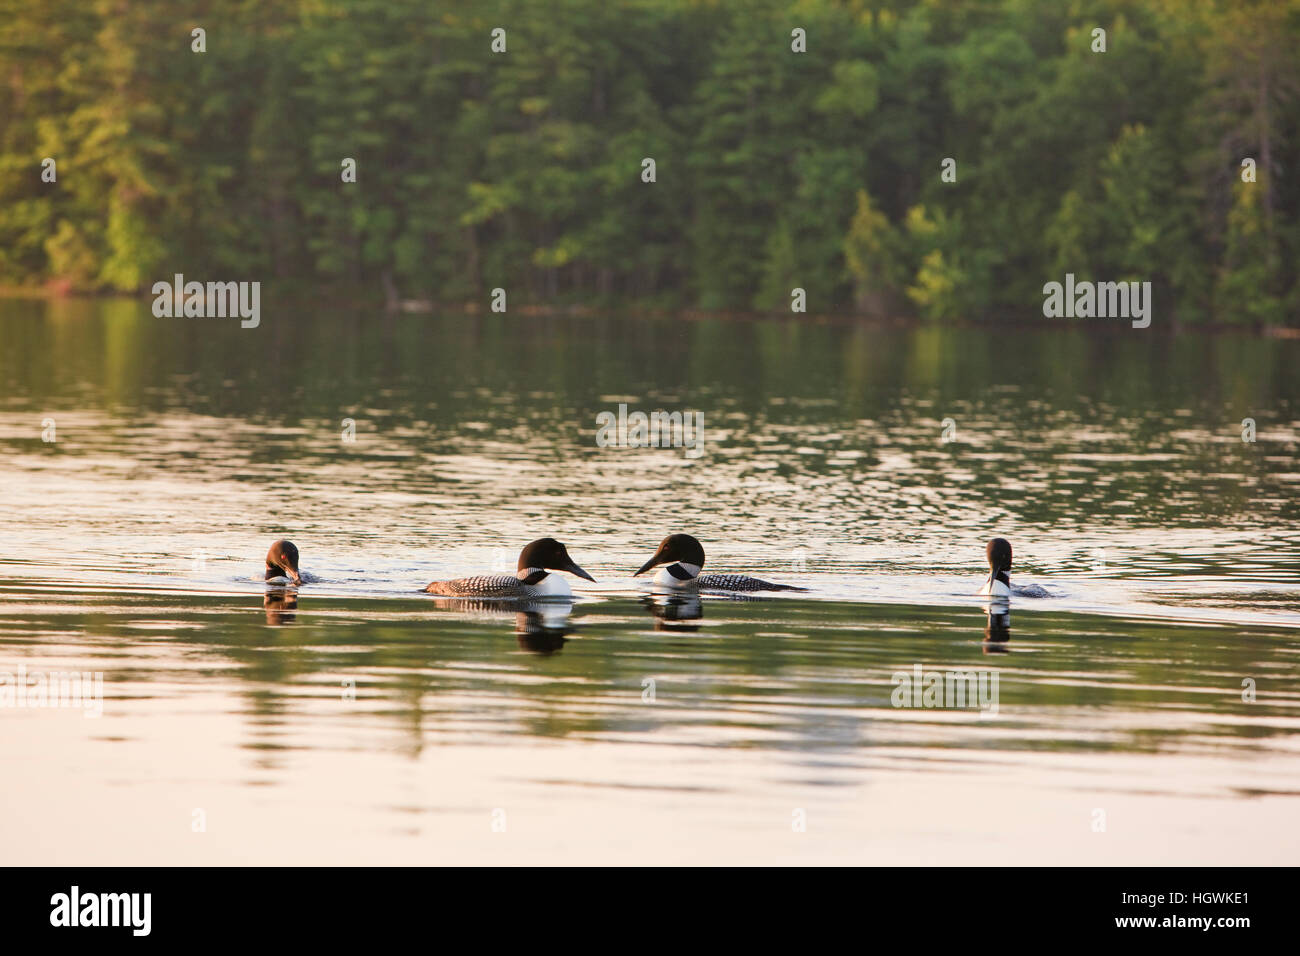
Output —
<point x="532" y="580"/>
<point x="282" y="563"/>
<point x="684" y="557"/>
<point x="998" y="584"/>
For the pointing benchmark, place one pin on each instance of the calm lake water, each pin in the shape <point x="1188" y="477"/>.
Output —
<point x="365" y="722"/>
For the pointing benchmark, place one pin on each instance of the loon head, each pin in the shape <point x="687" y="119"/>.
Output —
<point x="547" y="554"/>
<point x="282" y="560"/>
<point x="683" y="554"/>
<point x="999" y="555"/>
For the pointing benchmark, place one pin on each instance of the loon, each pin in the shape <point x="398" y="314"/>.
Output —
<point x="684" y="557"/>
<point x="532" y="580"/>
<point x="282" y="563"/>
<point x="998" y="584"/>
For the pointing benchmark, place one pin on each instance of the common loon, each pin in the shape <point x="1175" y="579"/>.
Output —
<point x="532" y="580"/>
<point x="282" y="563"/>
<point x="684" y="557"/>
<point x="998" y="584"/>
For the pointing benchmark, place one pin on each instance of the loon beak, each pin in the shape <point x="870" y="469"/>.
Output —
<point x="648" y="565"/>
<point x="574" y="569"/>
<point x="293" y="573"/>
<point x="659" y="558"/>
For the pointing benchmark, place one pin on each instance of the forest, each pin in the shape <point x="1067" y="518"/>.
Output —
<point x="936" y="158"/>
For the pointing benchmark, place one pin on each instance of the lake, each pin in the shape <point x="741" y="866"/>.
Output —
<point x="1147" y="711"/>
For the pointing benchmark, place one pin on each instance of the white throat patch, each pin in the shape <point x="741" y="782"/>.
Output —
<point x="666" y="580"/>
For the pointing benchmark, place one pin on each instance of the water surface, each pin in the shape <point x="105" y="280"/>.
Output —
<point x="371" y="724"/>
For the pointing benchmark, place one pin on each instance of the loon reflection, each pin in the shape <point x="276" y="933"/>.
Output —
<point x="541" y="626"/>
<point x="997" y="627"/>
<point x="674" y="612"/>
<point x="281" y="605"/>
<point x="539" y="632"/>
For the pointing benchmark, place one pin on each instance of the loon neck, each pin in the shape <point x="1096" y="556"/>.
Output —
<point x="677" y="576"/>
<point x="549" y="585"/>
<point x="682" y="571"/>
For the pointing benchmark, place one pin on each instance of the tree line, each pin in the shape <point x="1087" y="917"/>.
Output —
<point x="939" y="158"/>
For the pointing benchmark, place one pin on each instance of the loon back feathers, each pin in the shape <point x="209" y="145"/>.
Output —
<point x="1031" y="591"/>
<point x="483" y="585"/>
<point x="740" y="582"/>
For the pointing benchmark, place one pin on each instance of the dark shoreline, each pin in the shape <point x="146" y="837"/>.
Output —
<point x="355" y="297"/>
